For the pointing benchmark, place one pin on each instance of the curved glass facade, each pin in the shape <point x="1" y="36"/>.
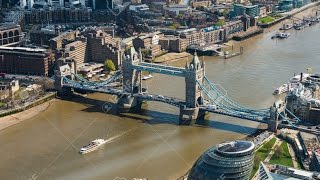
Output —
<point x="231" y="160"/>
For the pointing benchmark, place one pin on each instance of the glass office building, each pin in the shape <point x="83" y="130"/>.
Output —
<point x="230" y="160"/>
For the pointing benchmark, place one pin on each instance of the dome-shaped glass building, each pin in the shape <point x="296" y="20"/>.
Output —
<point x="230" y="160"/>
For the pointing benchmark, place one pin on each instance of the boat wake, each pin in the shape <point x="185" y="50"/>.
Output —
<point x="109" y="140"/>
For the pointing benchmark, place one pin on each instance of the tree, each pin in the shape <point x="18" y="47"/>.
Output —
<point x="109" y="65"/>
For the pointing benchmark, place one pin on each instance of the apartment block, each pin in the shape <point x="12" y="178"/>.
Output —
<point x="173" y="44"/>
<point x="76" y="50"/>
<point x="101" y="46"/>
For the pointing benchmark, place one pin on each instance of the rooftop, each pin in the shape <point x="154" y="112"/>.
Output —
<point x="235" y="147"/>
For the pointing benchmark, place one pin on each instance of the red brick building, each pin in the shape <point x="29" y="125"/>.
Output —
<point x="18" y="60"/>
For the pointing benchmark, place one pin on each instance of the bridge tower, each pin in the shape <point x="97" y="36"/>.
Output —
<point x="194" y="73"/>
<point x="277" y="108"/>
<point x="131" y="82"/>
<point x="64" y="69"/>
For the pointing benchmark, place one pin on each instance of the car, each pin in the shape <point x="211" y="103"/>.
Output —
<point x="160" y="96"/>
<point x="149" y="96"/>
<point x="211" y="107"/>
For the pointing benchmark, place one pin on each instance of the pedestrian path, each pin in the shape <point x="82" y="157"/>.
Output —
<point x="293" y="157"/>
<point x="275" y="146"/>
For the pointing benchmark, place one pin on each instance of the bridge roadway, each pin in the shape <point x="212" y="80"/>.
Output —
<point x="151" y="97"/>
<point x="103" y="88"/>
<point x="161" y="69"/>
<point x="237" y="115"/>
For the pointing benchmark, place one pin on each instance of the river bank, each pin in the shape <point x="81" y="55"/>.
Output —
<point x="16" y="118"/>
<point x="171" y="57"/>
<point x="298" y="13"/>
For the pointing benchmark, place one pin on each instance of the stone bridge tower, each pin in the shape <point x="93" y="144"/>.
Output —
<point x="64" y="69"/>
<point x="131" y="77"/>
<point x="194" y="74"/>
<point x="131" y="82"/>
<point x="277" y="108"/>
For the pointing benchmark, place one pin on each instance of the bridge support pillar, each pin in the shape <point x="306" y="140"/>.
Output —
<point x="128" y="103"/>
<point x="187" y="115"/>
<point x="62" y="91"/>
<point x="65" y="91"/>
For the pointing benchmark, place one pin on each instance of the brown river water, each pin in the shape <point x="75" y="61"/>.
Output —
<point x="151" y="144"/>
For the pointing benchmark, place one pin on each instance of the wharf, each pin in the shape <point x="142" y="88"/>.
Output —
<point x="247" y="34"/>
<point x="208" y="49"/>
<point x="234" y="54"/>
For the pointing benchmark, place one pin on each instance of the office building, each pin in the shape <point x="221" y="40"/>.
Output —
<point x="239" y="10"/>
<point x="230" y="160"/>
<point x="279" y="172"/>
<point x="19" y="60"/>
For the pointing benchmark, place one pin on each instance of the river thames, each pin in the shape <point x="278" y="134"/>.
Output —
<point x="151" y="144"/>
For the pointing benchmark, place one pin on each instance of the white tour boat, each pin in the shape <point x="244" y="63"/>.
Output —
<point x="93" y="145"/>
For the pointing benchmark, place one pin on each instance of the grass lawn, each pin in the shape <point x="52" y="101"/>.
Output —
<point x="283" y="158"/>
<point x="262" y="154"/>
<point x="266" y="19"/>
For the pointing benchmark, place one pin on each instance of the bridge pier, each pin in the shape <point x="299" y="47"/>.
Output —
<point x="187" y="115"/>
<point x="128" y="103"/>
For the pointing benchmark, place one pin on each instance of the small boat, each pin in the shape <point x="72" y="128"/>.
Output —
<point x="284" y="35"/>
<point x="299" y="25"/>
<point x="147" y="77"/>
<point x="282" y="89"/>
<point x="286" y="27"/>
<point x="281" y="35"/>
<point x="93" y="145"/>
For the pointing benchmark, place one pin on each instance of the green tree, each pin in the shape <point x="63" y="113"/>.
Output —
<point x="109" y="65"/>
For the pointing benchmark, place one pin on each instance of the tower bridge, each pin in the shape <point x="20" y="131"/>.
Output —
<point x="201" y="95"/>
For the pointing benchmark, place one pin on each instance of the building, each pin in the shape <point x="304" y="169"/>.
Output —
<point x="176" y="9"/>
<point x="19" y="60"/>
<point x="8" y="88"/>
<point x="89" y="69"/>
<point x="232" y="28"/>
<point x="58" y="15"/>
<point x="315" y="162"/>
<point x="203" y="36"/>
<point x="304" y="102"/>
<point x="101" y="46"/>
<point x="76" y="50"/>
<point x="239" y="10"/>
<point x="58" y="41"/>
<point x="263" y="11"/>
<point x="200" y="3"/>
<point x="14" y="17"/>
<point x="279" y="172"/>
<point x="10" y="34"/>
<point x="145" y="40"/>
<point x="230" y="160"/>
<point x="173" y="43"/>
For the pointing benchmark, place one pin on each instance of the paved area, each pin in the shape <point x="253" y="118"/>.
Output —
<point x="293" y="156"/>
